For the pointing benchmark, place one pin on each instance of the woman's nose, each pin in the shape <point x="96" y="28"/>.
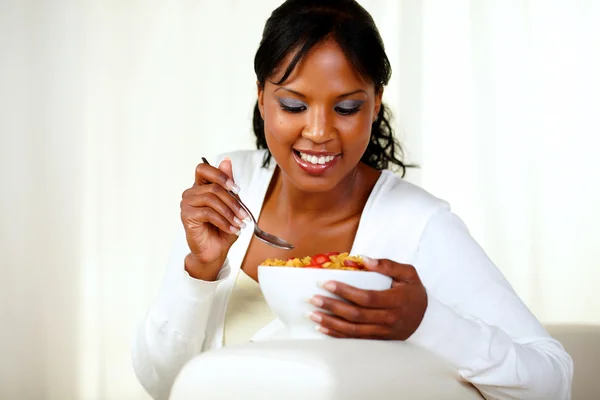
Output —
<point x="319" y="127"/>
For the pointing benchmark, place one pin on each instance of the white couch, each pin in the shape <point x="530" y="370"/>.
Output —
<point x="333" y="369"/>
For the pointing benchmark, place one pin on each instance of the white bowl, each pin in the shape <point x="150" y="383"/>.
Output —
<point x="288" y="289"/>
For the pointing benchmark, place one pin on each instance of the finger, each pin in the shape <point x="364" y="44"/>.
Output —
<point x="330" y="332"/>
<point x="227" y="167"/>
<point x="399" y="272"/>
<point x="378" y="299"/>
<point x="194" y="216"/>
<point x="336" y="334"/>
<point x="193" y="196"/>
<point x="350" y="329"/>
<point x="213" y="201"/>
<point x="353" y="313"/>
<point x="206" y="174"/>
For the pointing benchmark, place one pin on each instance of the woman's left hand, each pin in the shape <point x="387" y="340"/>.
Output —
<point x="393" y="314"/>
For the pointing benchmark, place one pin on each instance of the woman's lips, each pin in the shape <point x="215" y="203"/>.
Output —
<point x="315" y="163"/>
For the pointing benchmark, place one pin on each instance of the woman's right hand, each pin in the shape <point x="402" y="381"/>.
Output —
<point x="212" y="219"/>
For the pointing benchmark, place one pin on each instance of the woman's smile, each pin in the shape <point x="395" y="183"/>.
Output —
<point x="315" y="163"/>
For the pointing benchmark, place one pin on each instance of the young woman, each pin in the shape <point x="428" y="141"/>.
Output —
<point x="320" y="180"/>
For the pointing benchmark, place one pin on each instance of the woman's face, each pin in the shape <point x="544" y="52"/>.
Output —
<point x="318" y="122"/>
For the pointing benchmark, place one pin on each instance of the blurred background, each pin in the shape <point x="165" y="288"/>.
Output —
<point x="106" y="107"/>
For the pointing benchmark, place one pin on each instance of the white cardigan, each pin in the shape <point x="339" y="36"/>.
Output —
<point x="474" y="319"/>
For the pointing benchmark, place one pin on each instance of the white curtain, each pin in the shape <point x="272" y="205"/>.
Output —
<point x="107" y="106"/>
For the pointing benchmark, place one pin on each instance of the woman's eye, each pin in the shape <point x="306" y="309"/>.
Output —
<point x="347" y="111"/>
<point x="348" y="107"/>
<point x="292" y="106"/>
<point x="292" y="109"/>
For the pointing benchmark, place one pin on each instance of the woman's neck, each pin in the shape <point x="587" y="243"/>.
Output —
<point x="343" y="201"/>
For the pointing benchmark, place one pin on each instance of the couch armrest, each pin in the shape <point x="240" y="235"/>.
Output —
<point x="319" y="370"/>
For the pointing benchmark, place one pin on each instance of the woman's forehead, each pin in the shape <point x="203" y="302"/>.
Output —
<point x="324" y="67"/>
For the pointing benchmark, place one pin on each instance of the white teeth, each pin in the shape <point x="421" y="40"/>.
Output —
<point x="316" y="160"/>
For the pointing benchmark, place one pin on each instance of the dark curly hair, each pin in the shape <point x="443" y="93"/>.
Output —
<point x="301" y="24"/>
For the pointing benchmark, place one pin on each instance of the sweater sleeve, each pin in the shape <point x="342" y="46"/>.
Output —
<point x="476" y="321"/>
<point x="174" y="328"/>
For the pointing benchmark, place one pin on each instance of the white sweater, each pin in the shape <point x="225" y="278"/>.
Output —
<point x="474" y="319"/>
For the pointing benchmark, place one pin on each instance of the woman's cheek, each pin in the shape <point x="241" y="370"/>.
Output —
<point x="283" y="128"/>
<point x="356" y="135"/>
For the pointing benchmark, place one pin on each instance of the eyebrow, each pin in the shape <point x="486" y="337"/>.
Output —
<point x="304" y="96"/>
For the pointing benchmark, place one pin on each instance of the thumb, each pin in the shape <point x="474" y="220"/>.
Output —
<point x="227" y="167"/>
<point x="397" y="271"/>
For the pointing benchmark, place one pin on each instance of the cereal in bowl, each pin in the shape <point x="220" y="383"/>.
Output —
<point x="333" y="260"/>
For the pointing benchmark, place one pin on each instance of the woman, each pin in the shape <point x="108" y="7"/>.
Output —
<point x="320" y="180"/>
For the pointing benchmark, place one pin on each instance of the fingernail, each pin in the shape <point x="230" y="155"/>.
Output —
<point x="371" y="262"/>
<point x="329" y="286"/>
<point x="235" y="230"/>
<point x="321" y="329"/>
<point x="244" y="215"/>
<point x="230" y="185"/>
<point x="315" y="301"/>
<point x="239" y="222"/>
<point x="315" y="317"/>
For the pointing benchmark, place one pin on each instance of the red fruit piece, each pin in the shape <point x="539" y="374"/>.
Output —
<point x="319" y="259"/>
<point x="353" y="264"/>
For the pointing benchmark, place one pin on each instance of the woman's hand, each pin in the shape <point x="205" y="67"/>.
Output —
<point x="212" y="219"/>
<point x="393" y="314"/>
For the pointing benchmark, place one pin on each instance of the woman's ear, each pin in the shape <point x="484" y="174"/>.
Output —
<point x="261" y="99"/>
<point x="377" y="107"/>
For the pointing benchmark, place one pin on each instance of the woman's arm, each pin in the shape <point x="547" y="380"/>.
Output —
<point x="476" y="321"/>
<point x="174" y="328"/>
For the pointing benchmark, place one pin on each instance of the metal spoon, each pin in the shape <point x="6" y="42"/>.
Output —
<point x="263" y="236"/>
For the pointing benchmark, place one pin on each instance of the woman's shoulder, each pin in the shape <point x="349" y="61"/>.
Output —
<point x="399" y="212"/>
<point x="396" y="193"/>
<point x="399" y="202"/>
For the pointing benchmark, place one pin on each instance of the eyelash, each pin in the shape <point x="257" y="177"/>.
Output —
<point x="293" y="110"/>
<point x="347" y="111"/>
<point x="341" y="111"/>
